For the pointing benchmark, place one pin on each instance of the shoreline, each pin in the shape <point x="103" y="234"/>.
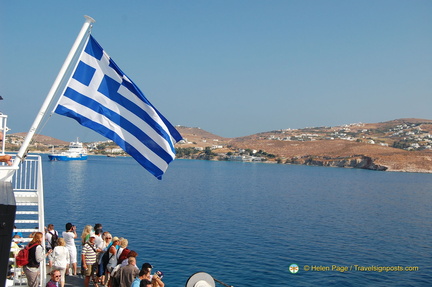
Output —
<point x="342" y="163"/>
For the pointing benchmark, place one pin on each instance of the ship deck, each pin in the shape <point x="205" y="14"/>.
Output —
<point x="72" y="281"/>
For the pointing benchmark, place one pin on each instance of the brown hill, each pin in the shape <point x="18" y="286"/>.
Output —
<point x="332" y="152"/>
<point x="46" y="140"/>
<point x="355" y="145"/>
<point x="198" y="137"/>
<point x="196" y="132"/>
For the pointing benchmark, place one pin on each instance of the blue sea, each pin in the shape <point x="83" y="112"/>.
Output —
<point x="246" y="223"/>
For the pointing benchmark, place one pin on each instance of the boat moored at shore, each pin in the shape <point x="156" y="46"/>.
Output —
<point x="76" y="151"/>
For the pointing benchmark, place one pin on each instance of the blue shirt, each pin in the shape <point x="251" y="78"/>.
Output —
<point x="136" y="282"/>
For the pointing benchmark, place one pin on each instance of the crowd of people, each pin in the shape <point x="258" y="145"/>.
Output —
<point x="105" y="260"/>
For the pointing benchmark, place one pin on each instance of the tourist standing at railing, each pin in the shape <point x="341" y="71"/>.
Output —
<point x="106" y="243"/>
<point x="60" y="256"/>
<point x="99" y="241"/>
<point x="88" y="256"/>
<point x="113" y="250"/>
<point x="98" y="226"/>
<point x="113" y="258"/>
<point x="142" y="275"/>
<point x="123" y="251"/>
<point x="145" y="278"/>
<point x="85" y="235"/>
<point x="69" y="236"/>
<point x="35" y="256"/>
<point x="126" y="274"/>
<point x="51" y="237"/>
<point x="99" y="245"/>
<point x="157" y="279"/>
<point x="131" y="253"/>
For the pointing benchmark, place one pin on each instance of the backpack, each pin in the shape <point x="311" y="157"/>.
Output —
<point x="54" y="238"/>
<point x="123" y="256"/>
<point x="22" y="258"/>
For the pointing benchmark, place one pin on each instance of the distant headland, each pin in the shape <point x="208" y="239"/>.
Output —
<point x="403" y="145"/>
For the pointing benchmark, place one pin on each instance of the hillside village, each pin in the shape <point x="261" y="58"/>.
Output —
<point x="408" y="136"/>
<point x="399" y="145"/>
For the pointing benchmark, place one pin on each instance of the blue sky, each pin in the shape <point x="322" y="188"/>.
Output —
<point x="233" y="68"/>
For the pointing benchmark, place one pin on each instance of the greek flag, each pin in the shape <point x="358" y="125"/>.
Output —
<point x="101" y="97"/>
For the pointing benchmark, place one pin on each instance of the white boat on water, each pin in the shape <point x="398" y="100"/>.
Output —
<point x="76" y="151"/>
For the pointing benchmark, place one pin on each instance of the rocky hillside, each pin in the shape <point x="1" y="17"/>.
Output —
<point x="398" y="145"/>
<point x="41" y="139"/>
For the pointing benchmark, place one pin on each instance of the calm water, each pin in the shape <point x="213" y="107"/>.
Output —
<point x="246" y="223"/>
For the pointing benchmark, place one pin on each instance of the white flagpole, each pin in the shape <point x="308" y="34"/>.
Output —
<point x="82" y="36"/>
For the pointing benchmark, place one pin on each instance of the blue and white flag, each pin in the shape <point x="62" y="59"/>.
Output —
<point x="101" y="97"/>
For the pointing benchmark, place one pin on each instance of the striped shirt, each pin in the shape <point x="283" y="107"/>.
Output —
<point x="89" y="252"/>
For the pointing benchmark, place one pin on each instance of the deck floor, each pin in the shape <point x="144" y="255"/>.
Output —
<point x="77" y="280"/>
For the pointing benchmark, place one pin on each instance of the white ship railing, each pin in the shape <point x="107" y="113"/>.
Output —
<point x="27" y="183"/>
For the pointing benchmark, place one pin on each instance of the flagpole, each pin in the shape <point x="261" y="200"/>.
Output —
<point x="82" y="36"/>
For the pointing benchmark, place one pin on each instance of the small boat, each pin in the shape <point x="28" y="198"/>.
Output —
<point x="76" y="151"/>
